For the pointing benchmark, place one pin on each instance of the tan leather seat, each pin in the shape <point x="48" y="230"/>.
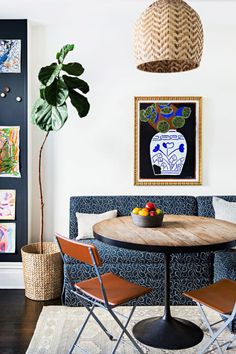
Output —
<point x="118" y="290"/>
<point x="220" y="296"/>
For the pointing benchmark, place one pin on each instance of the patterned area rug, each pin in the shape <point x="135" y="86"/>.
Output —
<point x="58" y="326"/>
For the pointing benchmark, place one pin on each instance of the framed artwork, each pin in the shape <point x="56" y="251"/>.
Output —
<point x="10" y="56"/>
<point x="7" y="204"/>
<point x="9" y="152"/>
<point x="7" y="237"/>
<point x="168" y="136"/>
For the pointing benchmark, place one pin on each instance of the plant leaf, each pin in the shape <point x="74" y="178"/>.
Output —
<point x="75" y="83"/>
<point x="39" y="102"/>
<point x="42" y="115"/>
<point x="48" y="117"/>
<point x="47" y="74"/>
<point x="79" y="102"/>
<point x="63" y="52"/>
<point x="56" y="94"/>
<point x="73" y="69"/>
<point x="59" y="116"/>
<point x="42" y="91"/>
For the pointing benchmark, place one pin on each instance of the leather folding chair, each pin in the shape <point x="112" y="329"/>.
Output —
<point x="220" y="297"/>
<point x="106" y="290"/>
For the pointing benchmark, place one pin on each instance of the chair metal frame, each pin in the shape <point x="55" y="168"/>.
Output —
<point x="227" y="319"/>
<point x="90" y="304"/>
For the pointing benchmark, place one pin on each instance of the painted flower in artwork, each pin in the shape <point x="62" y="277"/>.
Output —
<point x="165" y="116"/>
<point x="9" y="152"/>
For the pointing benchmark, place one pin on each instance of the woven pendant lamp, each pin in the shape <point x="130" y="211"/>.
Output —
<point x="168" y="38"/>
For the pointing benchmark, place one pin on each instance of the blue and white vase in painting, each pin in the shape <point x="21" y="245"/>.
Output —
<point x="168" y="153"/>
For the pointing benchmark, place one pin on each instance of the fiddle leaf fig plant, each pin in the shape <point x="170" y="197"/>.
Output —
<point x="59" y="82"/>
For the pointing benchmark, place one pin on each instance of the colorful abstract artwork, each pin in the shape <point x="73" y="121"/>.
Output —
<point x="7" y="237"/>
<point x="9" y="152"/>
<point x="167" y="140"/>
<point x="10" y="56"/>
<point x="7" y="204"/>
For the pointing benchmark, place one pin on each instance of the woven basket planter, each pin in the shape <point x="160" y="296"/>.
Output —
<point x="168" y="37"/>
<point x="42" y="272"/>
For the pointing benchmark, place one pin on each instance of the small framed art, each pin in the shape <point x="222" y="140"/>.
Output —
<point x="7" y="204"/>
<point x="168" y="137"/>
<point x="9" y="151"/>
<point x="7" y="237"/>
<point x="10" y="56"/>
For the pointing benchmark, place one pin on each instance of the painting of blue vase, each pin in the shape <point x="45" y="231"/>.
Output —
<point x="168" y="140"/>
<point x="168" y="153"/>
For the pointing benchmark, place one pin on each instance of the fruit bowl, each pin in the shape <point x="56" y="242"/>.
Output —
<point x="147" y="221"/>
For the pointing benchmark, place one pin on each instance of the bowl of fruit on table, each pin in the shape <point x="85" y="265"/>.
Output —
<point x="149" y="216"/>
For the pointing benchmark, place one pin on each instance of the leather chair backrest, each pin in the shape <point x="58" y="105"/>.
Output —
<point x="79" y="251"/>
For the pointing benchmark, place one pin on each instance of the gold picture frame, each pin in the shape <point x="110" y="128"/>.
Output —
<point x="168" y="140"/>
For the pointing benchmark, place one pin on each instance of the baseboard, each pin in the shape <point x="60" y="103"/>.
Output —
<point x="11" y="275"/>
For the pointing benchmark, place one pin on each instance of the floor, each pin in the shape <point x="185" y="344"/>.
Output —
<point x="18" y="318"/>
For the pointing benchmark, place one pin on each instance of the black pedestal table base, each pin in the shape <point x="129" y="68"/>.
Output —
<point x="171" y="333"/>
<point x="167" y="332"/>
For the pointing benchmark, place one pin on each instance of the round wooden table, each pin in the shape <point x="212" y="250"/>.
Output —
<point x="179" y="234"/>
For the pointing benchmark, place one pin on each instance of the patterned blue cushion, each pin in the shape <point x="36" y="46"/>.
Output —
<point x="225" y="265"/>
<point x="205" y="207"/>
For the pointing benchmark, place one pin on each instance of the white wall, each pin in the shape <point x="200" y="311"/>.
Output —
<point x="94" y="155"/>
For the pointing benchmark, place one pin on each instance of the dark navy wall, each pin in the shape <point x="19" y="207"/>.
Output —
<point x="13" y="113"/>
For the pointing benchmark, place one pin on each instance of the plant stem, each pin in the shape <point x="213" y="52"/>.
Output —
<point x="41" y="196"/>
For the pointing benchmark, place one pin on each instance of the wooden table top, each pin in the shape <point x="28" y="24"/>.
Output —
<point x="179" y="233"/>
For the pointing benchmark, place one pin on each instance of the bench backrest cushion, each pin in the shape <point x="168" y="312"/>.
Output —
<point x="205" y="207"/>
<point x="186" y="205"/>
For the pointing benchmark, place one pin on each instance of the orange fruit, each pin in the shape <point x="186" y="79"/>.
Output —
<point x="136" y="210"/>
<point x="143" y="212"/>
